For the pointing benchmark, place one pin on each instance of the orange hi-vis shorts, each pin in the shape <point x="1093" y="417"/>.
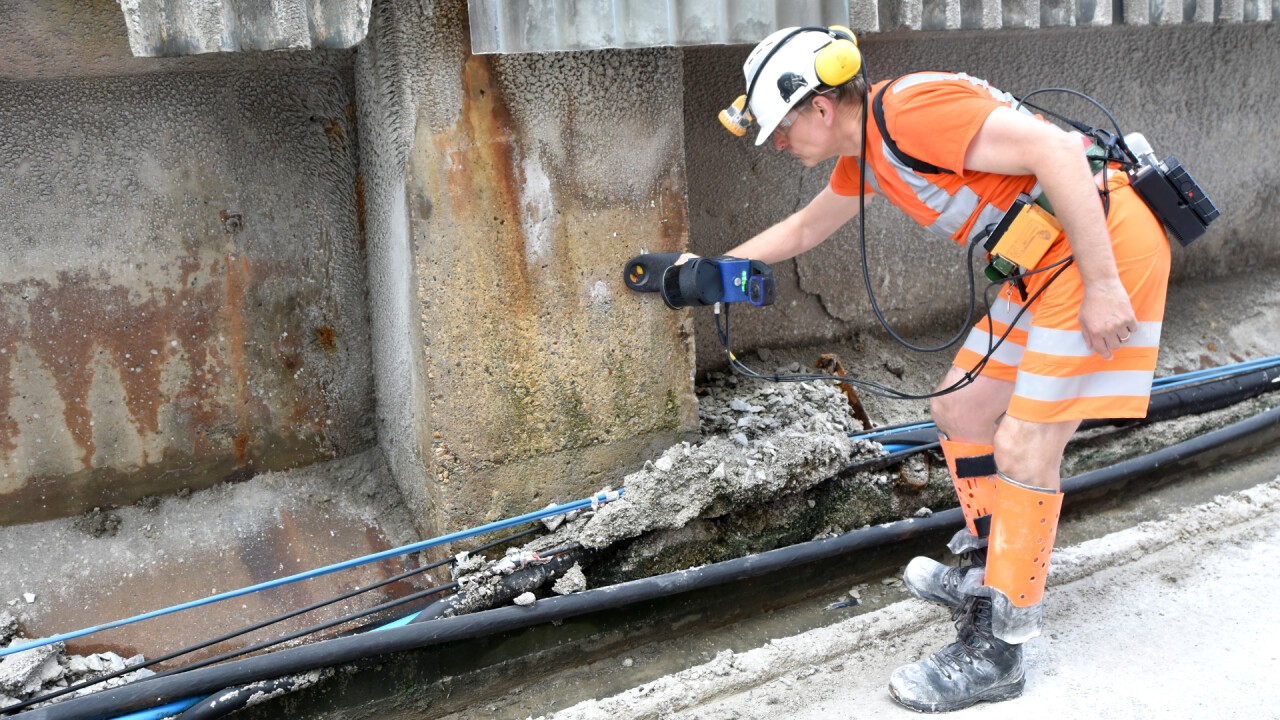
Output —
<point x="1056" y="376"/>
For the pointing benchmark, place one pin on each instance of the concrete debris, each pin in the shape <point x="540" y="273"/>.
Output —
<point x="571" y="582"/>
<point x="8" y="627"/>
<point x="29" y="597"/>
<point x="515" y="559"/>
<point x="24" y="673"/>
<point x="553" y="522"/>
<point x="761" y="440"/>
<point x="525" y="599"/>
<point x="468" y="565"/>
<point x="47" y="668"/>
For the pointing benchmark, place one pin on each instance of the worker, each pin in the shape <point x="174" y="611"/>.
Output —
<point x="954" y="154"/>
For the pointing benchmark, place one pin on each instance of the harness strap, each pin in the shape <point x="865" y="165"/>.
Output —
<point x="920" y="166"/>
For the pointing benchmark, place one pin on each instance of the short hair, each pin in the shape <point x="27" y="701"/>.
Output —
<point x="854" y="89"/>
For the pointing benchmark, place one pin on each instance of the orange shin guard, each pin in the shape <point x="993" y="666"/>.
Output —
<point x="973" y="469"/>
<point x="1023" y="528"/>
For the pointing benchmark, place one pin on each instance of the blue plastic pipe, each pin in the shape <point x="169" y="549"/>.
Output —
<point x="375" y="557"/>
<point x="164" y="711"/>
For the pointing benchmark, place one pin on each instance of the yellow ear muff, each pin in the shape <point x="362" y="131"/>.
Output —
<point x="838" y="61"/>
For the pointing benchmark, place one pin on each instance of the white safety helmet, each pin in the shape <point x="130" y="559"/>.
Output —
<point x="785" y="68"/>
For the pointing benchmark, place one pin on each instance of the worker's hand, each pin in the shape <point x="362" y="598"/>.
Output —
<point x="1106" y="317"/>
<point x="685" y="258"/>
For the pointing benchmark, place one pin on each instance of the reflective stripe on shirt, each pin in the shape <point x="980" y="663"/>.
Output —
<point x="953" y="210"/>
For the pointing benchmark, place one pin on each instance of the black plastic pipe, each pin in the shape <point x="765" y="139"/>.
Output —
<point x="221" y="704"/>
<point x="157" y="691"/>
<point x="1173" y="402"/>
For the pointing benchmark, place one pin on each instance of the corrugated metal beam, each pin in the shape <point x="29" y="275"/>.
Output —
<point x="524" y="26"/>
<point x="159" y="28"/>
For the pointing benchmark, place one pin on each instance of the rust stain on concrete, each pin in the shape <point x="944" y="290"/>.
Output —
<point x="8" y="342"/>
<point x="327" y="338"/>
<point x="237" y="280"/>
<point x="206" y="368"/>
<point x="491" y="313"/>
<point x="81" y="317"/>
<point x="485" y="180"/>
<point x="362" y="212"/>
<point x="337" y="136"/>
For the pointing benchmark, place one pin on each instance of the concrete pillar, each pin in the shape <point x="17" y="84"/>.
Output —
<point x="504" y="194"/>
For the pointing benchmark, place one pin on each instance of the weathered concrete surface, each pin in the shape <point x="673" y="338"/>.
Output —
<point x="504" y="196"/>
<point x="115" y="564"/>
<point x="182" y="300"/>
<point x="1203" y="94"/>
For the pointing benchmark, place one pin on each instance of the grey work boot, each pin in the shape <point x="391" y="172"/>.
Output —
<point x="976" y="668"/>
<point x="946" y="585"/>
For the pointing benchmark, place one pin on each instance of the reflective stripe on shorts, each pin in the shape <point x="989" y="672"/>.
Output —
<point x="1056" y="376"/>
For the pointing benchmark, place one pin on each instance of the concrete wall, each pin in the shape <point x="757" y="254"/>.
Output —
<point x="187" y="299"/>
<point x="1204" y="93"/>
<point x="504" y="195"/>
<point x="183" y="296"/>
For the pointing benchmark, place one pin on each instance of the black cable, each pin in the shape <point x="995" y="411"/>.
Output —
<point x="862" y="244"/>
<point x="308" y="630"/>
<point x="1110" y="143"/>
<point x="349" y="617"/>
<point x="330" y="653"/>
<point x="1086" y="129"/>
<point x="226" y="701"/>
<point x="250" y="628"/>
<point x="885" y="391"/>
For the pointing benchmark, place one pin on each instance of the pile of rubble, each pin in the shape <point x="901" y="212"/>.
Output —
<point x="48" y="668"/>
<point x="760" y="440"/>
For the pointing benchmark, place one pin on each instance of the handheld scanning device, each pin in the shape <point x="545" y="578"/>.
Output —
<point x="701" y="280"/>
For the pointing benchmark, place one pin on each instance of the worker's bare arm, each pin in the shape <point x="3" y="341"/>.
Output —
<point x="802" y="230"/>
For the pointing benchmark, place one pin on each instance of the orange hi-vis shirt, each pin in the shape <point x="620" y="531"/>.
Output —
<point x="934" y="116"/>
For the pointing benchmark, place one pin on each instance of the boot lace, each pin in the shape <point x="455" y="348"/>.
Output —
<point x="973" y="626"/>
<point x="952" y="578"/>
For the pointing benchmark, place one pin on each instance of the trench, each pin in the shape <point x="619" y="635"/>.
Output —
<point x="541" y="669"/>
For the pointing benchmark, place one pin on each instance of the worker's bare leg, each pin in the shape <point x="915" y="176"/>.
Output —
<point x="997" y="607"/>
